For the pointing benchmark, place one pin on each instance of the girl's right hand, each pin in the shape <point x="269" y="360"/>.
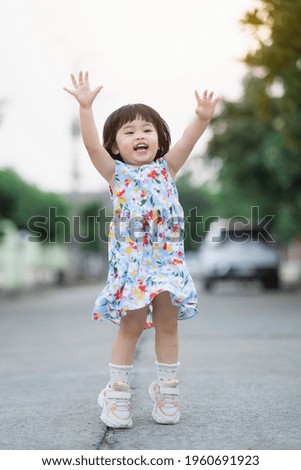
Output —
<point x="82" y="92"/>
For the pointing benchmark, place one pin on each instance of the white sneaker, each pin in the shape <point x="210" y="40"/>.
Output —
<point x="115" y="403"/>
<point x="166" y="408"/>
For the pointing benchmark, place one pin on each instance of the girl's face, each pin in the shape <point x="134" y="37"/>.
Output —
<point x="137" y="142"/>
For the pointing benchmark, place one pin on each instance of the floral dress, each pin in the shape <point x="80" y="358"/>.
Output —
<point x="146" y="245"/>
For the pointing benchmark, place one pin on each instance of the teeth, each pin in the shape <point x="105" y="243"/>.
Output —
<point x="141" y="146"/>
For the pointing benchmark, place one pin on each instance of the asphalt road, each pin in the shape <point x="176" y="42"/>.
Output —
<point x="240" y="371"/>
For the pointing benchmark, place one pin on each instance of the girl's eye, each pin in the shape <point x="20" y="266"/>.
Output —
<point x="130" y="132"/>
<point x="148" y="130"/>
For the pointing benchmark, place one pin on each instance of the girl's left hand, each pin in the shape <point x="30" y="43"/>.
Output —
<point x="206" y="105"/>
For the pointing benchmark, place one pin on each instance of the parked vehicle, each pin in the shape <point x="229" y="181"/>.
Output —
<point x="241" y="252"/>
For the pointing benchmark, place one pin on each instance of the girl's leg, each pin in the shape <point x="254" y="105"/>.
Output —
<point x="165" y="319"/>
<point x="123" y="350"/>
<point x="115" y="398"/>
<point x="164" y="391"/>
<point x="131" y="327"/>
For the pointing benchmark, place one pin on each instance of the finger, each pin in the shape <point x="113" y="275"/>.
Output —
<point x="198" y="98"/>
<point x="211" y="95"/>
<point x="97" y="90"/>
<point x="80" y="78"/>
<point x="86" y="76"/>
<point x="69" y="91"/>
<point x="205" y="94"/>
<point x="75" y="84"/>
<point x="216" y="100"/>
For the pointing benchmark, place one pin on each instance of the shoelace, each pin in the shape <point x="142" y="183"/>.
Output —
<point x="120" y="402"/>
<point x="170" y="398"/>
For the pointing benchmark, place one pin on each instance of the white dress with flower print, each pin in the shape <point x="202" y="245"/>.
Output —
<point x="146" y="245"/>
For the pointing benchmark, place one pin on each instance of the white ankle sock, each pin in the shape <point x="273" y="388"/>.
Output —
<point x="120" y="373"/>
<point x="166" y="371"/>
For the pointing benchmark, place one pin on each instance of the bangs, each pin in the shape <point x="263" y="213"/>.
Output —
<point x="129" y="113"/>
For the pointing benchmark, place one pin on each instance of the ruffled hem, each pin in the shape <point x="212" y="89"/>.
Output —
<point x="105" y="310"/>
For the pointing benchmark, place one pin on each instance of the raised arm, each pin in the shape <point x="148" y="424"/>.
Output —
<point x="179" y="153"/>
<point x="100" y="158"/>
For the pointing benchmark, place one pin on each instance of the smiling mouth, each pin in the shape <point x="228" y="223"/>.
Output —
<point x="141" y="147"/>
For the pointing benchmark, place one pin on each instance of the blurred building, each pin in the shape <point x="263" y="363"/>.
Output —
<point x="25" y="264"/>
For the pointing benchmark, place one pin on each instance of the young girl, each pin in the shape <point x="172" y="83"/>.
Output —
<point x="148" y="282"/>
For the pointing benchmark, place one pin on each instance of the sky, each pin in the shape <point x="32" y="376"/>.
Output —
<point x="154" y="52"/>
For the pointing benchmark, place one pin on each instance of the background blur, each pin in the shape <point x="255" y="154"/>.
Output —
<point x="240" y="356"/>
<point x="157" y="53"/>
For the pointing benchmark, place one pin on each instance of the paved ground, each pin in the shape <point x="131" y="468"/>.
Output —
<point x="240" y="366"/>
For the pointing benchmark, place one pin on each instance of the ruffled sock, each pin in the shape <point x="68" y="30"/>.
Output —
<point x="166" y="371"/>
<point x="119" y="373"/>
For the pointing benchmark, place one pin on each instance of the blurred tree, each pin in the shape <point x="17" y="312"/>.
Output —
<point x="259" y="137"/>
<point x="94" y="226"/>
<point x="197" y="205"/>
<point x="33" y="210"/>
<point x="277" y="27"/>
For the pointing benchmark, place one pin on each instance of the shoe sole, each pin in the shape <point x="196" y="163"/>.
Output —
<point x="158" y="419"/>
<point x="105" y="419"/>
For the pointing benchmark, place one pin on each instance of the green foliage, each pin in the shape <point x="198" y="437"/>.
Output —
<point x="94" y="226"/>
<point x="259" y="137"/>
<point x="26" y="206"/>
<point x="197" y="205"/>
<point x="279" y="59"/>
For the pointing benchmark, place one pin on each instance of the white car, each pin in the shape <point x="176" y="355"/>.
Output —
<point x="241" y="253"/>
